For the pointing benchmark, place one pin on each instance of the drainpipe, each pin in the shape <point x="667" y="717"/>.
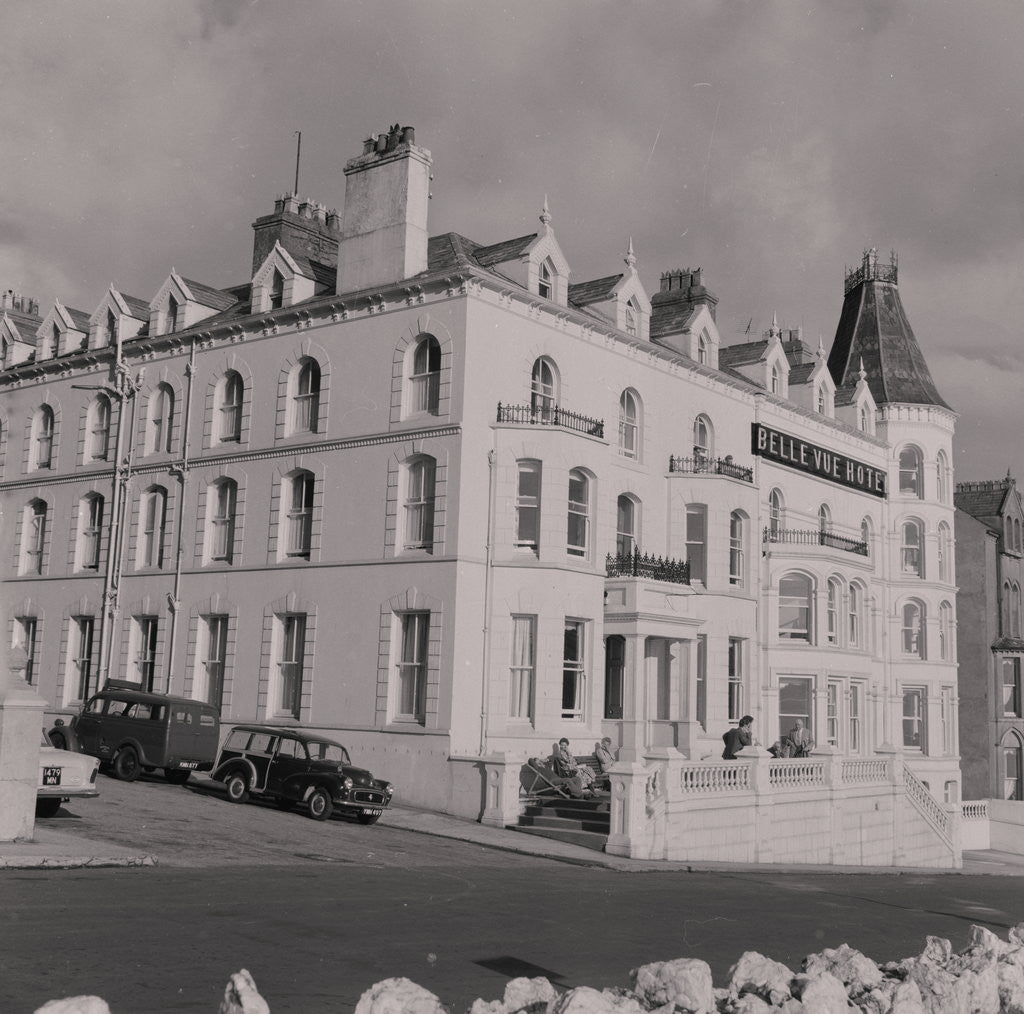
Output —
<point x="181" y="471"/>
<point x="492" y="458"/>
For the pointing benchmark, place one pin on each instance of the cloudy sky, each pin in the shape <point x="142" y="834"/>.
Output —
<point x="768" y="142"/>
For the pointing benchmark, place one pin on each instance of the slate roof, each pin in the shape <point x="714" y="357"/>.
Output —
<point x="139" y="307"/>
<point x="981" y="503"/>
<point x="873" y="326"/>
<point x="744" y="354"/>
<point x="79" y="319"/>
<point x="845" y="394"/>
<point x="507" y="250"/>
<point x="800" y="374"/>
<point x="672" y="318"/>
<point x="323" y="275"/>
<point x="217" y="299"/>
<point x="593" y="291"/>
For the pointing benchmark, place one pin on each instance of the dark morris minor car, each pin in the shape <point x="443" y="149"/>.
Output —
<point x="297" y="768"/>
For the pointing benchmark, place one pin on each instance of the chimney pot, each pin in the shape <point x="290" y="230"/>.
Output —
<point x="408" y="135"/>
<point x="382" y="143"/>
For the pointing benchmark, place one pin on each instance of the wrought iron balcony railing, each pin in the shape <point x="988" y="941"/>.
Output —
<point x="550" y="415"/>
<point x="699" y="464"/>
<point x="812" y="537"/>
<point x="637" y="564"/>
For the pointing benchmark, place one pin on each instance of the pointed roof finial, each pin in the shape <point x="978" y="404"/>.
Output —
<point x="821" y="346"/>
<point x="773" y="331"/>
<point x="630" y="256"/>
<point x="862" y="374"/>
<point x="545" y="215"/>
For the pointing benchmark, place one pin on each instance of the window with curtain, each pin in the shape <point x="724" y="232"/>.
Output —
<point x="543" y="391"/>
<point x="300" y="515"/>
<point x="91" y="534"/>
<point x="910" y="468"/>
<point x="625" y="535"/>
<point x="776" y="513"/>
<point x="1013" y="765"/>
<point x="523" y="667"/>
<point x="834" y="597"/>
<point x="222" y="521"/>
<point x="912" y="633"/>
<point x="99" y="429"/>
<point x="912" y="548"/>
<point x="161" y="419"/>
<point x="528" y="481"/>
<point x="419" y="504"/>
<point x="153" y="511"/>
<point x="736" y="670"/>
<point x="306" y="403"/>
<point x="230" y="407"/>
<point x="573" y="671"/>
<point x="578" y="522"/>
<point x="737" y="548"/>
<point x="291" y="663"/>
<point x="82" y="628"/>
<point x="43" y="427"/>
<point x="914" y="717"/>
<point x="414" y="635"/>
<point x="426" y="375"/>
<point x="36" y="514"/>
<point x="1011" y="687"/>
<point x="215" y="649"/>
<point x="697" y="541"/>
<point x="796" y="593"/>
<point x="629" y="426"/>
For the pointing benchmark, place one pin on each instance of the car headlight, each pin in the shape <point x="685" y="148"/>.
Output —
<point x="389" y="790"/>
<point x="348" y="783"/>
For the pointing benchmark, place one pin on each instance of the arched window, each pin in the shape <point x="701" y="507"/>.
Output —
<point x="833" y="606"/>
<point x="1004" y="612"/>
<point x="911" y="479"/>
<point x="945" y="632"/>
<point x="578" y="527"/>
<point x="703" y="442"/>
<point x="776" y="381"/>
<point x="629" y="425"/>
<point x="912" y="548"/>
<point x="42" y="437"/>
<point x="231" y="392"/>
<point x="172" y="314"/>
<point x="276" y="290"/>
<point x="419" y="503"/>
<point x="737" y="548"/>
<point x="913" y="638"/>
<point x="545" y="280"/>
<point x="152" y="518"/>
<point x="1014" y="610"/>
<point x="528" y="482"/>
<point x="632" y="318"/>
<point x="824" y="521"/>
<point x="426" y="375"/>
<point x="942" y="477"/>
<point x="223" y="505"/>
<point x="1016" y="534"/>
<point x="865" y="533"/>
<point x="945" y="547"/>
<point x="34" y="537"/>
<point x="796" y="613"/>
<point x="863" y="420"/>
<point x="110" y="329"/>
<point x="306" y="403"/>
<point x="90" y="531"/>
<point x="704" y="349"/>
<point x="161" y="419"/>
<point x="99" y="428"/>
<point x="855" y="627"/>
<point x="298" y="494"/>
<point x="543" y="391"/>
<point x="625" y="524"/>
<point x="776" y="513"/>
<point x="1013" y="768"/>
<point x="822" y="400"/>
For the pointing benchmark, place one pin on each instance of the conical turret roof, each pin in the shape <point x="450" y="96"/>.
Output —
<point x="873" y="327"/>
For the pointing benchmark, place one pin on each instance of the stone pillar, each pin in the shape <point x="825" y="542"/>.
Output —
<point x="895" y="778"/>
<point x="21" y="725"/>
<point x="758" y="758"/>
<point x="628" y="811"/>
<point x="501" y="790"/>
<point x="633" y="717"/>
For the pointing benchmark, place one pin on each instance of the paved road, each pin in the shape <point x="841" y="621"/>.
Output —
<point x="319" y="912"/>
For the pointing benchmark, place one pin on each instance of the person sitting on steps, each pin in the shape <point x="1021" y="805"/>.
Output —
<point x="566" y="766"/>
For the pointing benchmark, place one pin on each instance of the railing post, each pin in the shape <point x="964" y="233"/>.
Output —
<point x="501" y="790"/>
<point x="628" y="818"/>
<point x="759" y="759"/>
<point x="832" y="784"/>
<point x="894" y="774"/>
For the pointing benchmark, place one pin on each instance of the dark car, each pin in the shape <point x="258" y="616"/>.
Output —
<point x="135" y="731"/>
<point x="293" y="767"/>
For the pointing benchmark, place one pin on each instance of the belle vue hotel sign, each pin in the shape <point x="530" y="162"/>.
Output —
<point x="814" y="460"/>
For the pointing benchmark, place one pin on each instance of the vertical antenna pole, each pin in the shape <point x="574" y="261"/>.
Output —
<point x="298" y="154"/>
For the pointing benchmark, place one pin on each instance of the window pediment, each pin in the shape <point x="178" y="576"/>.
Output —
<point x="116" y="317"/>
<point x="281" y="280"/>
<point x="61" y="331"/>
<point x="180" y="303"/>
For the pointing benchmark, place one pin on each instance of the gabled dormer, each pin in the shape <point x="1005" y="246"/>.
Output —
<point x="618" y="299"/>
<point x="855" y="404"/>
<point x="118" y="317"/>
<point x="683" y="316"/>
<point x="63" y="330"/>
<point x="284" y="280"/>
<point x="534" y="262"/>
<point x="810" y="383"/>
<point x="180" y="303"/>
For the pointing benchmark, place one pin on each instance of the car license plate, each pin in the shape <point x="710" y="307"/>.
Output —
<point x="371" y="811"/>
<point x="51" y="776"/>
<point x="189" y="764"/>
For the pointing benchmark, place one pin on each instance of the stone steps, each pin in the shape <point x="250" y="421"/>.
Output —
<point x="584" y="822"/>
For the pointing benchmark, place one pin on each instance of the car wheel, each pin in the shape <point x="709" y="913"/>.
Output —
<point x="126" y="764"/>
<point x="237" y="786"/>
<point x="47" y="807"/>
<point x="320" y="805"/>
<point x="177" y="776"/>
<point x="368" y="818"/>
<point x="284" y="803"/>
<point x="59" y="740"/>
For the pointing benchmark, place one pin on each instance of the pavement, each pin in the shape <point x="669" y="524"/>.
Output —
<point x="58" y="845"/>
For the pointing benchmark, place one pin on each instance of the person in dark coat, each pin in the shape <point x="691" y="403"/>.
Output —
<point x="736" y="739"/>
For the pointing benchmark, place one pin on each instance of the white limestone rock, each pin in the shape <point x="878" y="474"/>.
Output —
<point x="1010" y="977"/>
<point x="586" y="1000"/>
<point x="487" y="1007"/>
<point x="906" y="999"/>
<point x="749" y="1003"/>
<point x="685" y="983"/>
<point x="528" y="996"/>
<point x="398" y="996"/>
<point x="241" y="996"/>
<point x="75" y="1005"/>
<point x="856" y="971"/>
<point x="821" y="992"/>
<point x="754" y="973"/>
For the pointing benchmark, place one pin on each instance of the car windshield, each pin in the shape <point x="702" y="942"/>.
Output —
<point x="331" y="752"/>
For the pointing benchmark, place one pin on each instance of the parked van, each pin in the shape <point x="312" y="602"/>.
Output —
<point x="135" y="731"/>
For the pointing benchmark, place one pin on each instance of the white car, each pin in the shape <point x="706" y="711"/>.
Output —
<point x="63" y="774"/>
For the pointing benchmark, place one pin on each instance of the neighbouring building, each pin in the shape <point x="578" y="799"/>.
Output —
<point x="990" y="647"/>
<point x="439" y="499"/>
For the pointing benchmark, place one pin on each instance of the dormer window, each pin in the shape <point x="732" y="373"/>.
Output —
<point x="110" y="332"/>
<point x="703" y="349"/>
<point x="545" y="282"/>
<point x="776" y="381"/>
<point x="822" y="400"/>
<point x="172" y="313"/>
<point x="632" y="319"/>
<point x="277" y="290"/>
